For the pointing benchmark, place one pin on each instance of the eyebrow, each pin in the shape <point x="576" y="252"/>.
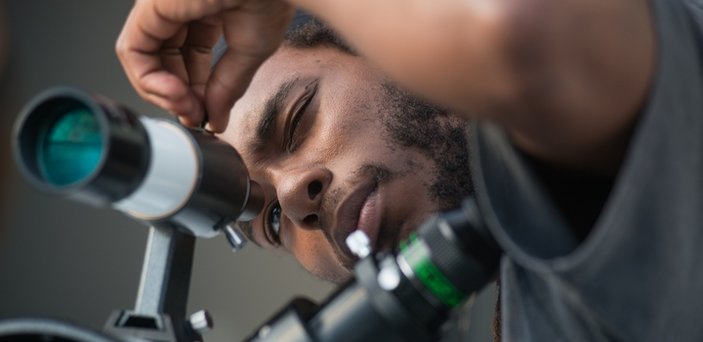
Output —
<point x="272" y="108"/>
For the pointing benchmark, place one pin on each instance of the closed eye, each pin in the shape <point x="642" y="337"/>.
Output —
<point x="291" y="140"/>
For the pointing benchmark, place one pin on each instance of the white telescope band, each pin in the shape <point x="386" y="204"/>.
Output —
<point x="172" y="174"/>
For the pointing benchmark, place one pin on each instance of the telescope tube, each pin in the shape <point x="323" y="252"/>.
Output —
<point x="90" y="149"/>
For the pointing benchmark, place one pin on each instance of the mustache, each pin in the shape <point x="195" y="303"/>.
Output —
<point x="330" y="202"/>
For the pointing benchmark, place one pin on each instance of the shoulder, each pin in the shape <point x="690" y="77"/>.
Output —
<point x="583" y="70"/>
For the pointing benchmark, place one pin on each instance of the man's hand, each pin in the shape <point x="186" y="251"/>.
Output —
<point x="166" y="46"/>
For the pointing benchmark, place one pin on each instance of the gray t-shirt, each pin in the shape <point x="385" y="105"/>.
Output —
<point x="638" y="274"/>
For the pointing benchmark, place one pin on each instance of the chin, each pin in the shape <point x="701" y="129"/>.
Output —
<point x="342" y="279"/>
<point x="338" y="274"/>
<point x="337" y="277"/>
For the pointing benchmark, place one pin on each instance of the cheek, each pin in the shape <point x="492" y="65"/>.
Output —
<point x="348" y="112"/>
<point x="314" y="252"/>
<point x="349" y="134"/>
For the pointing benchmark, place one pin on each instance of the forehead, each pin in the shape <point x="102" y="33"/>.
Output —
<point x="285" y="65"/>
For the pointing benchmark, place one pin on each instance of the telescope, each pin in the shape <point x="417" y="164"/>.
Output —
<point x="186" y="183"/>
<point x="89" y="149"/>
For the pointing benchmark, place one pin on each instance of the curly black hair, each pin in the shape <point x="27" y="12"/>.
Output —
<point x="304" y="32"/>
<point x="312" y="33"/>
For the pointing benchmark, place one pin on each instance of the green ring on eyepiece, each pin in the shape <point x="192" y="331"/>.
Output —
<point x="417" y="254"/>
<point x="70" y="147"/>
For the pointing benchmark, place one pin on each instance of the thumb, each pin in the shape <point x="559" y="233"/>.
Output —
<point x="252" y="35"/>
<point x="228" y="82"/>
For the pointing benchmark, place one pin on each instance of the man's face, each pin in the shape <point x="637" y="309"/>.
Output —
<point x="314" y="129"/>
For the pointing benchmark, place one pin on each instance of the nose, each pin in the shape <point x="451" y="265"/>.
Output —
<point x="300" y="194"/>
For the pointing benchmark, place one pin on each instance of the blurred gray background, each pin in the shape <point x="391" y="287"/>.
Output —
<point x="70" y="261"/>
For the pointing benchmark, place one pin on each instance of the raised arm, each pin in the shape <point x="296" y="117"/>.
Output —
<point x="566" y="78"/>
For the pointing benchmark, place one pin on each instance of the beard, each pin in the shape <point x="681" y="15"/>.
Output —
<point x="411" y="122"/>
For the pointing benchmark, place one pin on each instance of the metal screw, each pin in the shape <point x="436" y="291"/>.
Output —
<point x="358" y="243"/>
<point x="236" y="239"/>
<point x="201" y="321"/>
<point x="388" y="277"/>
<point x="264" y="331"/>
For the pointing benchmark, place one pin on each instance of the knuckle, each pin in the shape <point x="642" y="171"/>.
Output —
<point x="201" y="50"/>
<point x="120" y="45"/>
<point x="171" y="51"/>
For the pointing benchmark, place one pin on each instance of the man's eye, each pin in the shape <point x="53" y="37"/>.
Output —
<point x="292" y="140"/>
<point x="273" y="224"/>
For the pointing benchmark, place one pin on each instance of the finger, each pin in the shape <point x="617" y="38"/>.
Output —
<point x="148" y="26"/>
<point x="172" y="95"/>
<point x="197" y="52"/>
<point x="189" y="10"/>
<point x="179" y="106"/>
<point x="138" y="51"/>
<point x="229" y="80"/>
<point x="252" y="37"/>
<point x="172" y="58"/>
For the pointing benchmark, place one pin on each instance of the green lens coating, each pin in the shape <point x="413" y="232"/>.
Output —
<point x="417" y="254"/>
<point x="70" y="148"/>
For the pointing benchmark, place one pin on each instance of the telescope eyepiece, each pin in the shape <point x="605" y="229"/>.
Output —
<point x="58" y="141"/>
<point x="69" y="148"/>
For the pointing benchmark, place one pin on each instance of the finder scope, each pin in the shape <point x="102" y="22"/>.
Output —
<point x="88" y="148"/>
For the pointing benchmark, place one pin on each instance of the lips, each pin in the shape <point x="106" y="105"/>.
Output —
<point x="359" y="210"/>
<point x="369" y="216"/>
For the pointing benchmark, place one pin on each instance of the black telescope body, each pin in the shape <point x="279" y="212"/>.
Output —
<point x="92" y="150"/>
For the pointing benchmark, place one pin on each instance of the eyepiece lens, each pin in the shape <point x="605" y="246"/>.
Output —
<point x="70" y="148"/>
